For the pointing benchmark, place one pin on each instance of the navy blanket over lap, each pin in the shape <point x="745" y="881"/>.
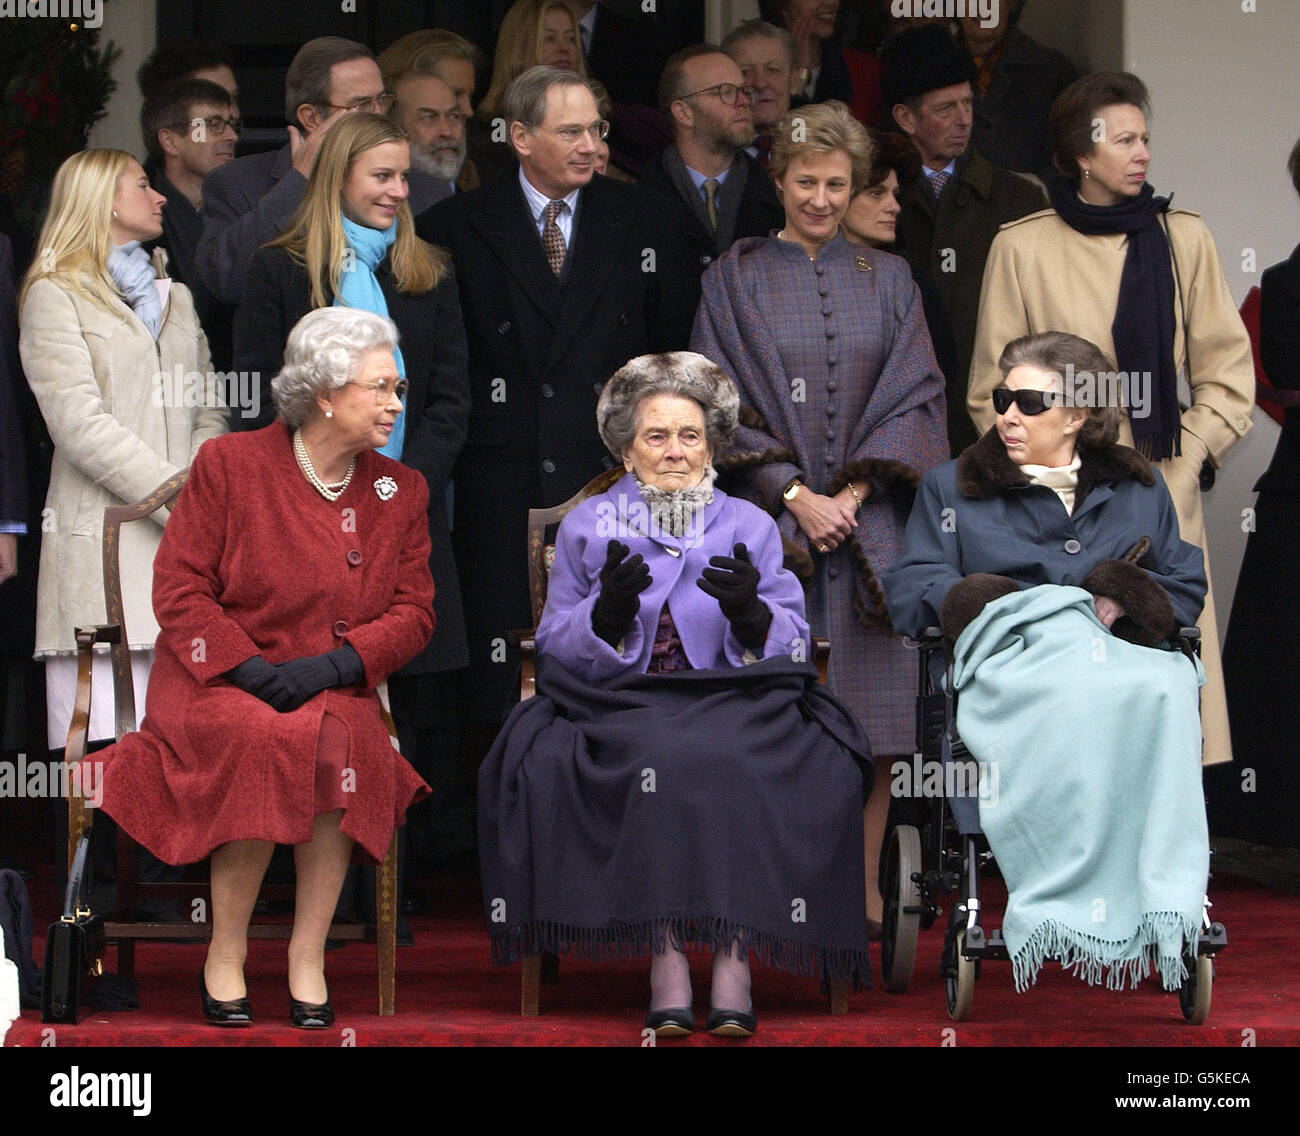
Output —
<point x="709" y="804"/>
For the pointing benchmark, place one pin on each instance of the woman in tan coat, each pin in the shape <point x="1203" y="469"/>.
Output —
<point x="119" y="366"/>
<point x="1112" y="263"/>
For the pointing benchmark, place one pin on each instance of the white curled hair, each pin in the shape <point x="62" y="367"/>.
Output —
<point x="323" y="353"/>
<point x="686" y="374"/>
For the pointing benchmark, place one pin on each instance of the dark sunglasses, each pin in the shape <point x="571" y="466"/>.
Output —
<point x="1030" y="402"/>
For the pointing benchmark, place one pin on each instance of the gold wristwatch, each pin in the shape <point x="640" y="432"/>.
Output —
<point x="791" y="490"/>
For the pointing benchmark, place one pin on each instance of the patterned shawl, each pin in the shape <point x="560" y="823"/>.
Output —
<point x="902" y="434"/>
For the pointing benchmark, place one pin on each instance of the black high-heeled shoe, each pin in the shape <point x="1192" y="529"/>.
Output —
<point x="675" y="1022"/>
<point x="236" y="1012"/>
<point x="732" y="1023"/>
<point x="304" y="1015"/>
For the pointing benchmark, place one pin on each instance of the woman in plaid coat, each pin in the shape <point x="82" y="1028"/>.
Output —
<point x="828" y="345"/>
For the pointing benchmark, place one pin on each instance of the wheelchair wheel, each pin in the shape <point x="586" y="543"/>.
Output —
<point x="959" y="982"/>
<point x="1194" y="993"/>
<point x="898" y="938"/>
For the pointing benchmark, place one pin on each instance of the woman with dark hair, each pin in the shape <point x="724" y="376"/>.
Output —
<point x="825" y="69"/>
<point x="872" y="219"/>
<point x="1016" y="81"/>
<point x="682" y="775"/>
<point x="1115" y="264"/>
<point x="828" y="344"/>
<point x="1050" y="555"/>
<point x="1261" y="653"/>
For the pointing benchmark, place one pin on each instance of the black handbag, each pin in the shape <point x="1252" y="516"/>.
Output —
<point x="74" y="946"/>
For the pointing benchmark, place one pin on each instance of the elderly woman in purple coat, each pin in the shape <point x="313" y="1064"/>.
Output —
<point x="682" y="775"/>
<point x="827" y="342"/>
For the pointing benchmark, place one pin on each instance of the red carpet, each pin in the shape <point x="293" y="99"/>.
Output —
<point x="448" y="993"/>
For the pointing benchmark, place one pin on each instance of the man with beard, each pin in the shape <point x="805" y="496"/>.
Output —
<point x="715" y="192"/>
<point x="427" y="109"/>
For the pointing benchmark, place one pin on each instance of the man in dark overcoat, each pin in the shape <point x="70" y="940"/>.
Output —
<point x="564" y="276"/>
<point x="714" y="191"/>
<point x="952" y="213"/>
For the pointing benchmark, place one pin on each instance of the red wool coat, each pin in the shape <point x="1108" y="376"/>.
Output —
<point x="254" y="561"/>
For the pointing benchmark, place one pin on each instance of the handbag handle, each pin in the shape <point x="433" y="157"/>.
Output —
<point x="73" y="893"/>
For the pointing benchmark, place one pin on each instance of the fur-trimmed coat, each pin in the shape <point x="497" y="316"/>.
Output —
<point x="834" y="357"/>
<point x="979" y="529"/>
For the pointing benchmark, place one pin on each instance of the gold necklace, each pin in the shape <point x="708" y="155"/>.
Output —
<point x="329" y="492"/>
<point x="781" y="237"/>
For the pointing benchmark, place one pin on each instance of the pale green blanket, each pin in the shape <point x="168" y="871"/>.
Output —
<point x="1093" y="805"/>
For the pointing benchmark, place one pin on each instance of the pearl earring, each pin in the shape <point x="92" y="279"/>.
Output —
<point x="114" y="214"/>
<point x="1087" y="173"/>
<point x="329" y="414"/>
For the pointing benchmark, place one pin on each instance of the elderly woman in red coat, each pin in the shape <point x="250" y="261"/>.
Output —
<point x="291" y="580"/>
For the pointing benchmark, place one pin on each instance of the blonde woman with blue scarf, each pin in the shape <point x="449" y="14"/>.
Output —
<point x="352" y="243"/>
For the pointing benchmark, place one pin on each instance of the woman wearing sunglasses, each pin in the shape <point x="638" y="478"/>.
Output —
<point x="352" y="243"/>
<point x="1050" y="554"/>
<point x="1112" y="262"/>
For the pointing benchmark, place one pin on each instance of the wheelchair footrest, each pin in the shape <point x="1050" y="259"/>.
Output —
<point x="1212" y="941"/>
<point x="982" y="945"/>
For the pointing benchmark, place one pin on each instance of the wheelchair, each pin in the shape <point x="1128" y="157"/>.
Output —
<point x="917" y="874"/>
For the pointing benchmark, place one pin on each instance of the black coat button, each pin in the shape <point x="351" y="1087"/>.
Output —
<point x="548" y="391"/>
<point x="340" y="627"/>
<point x="354" y="556"/>
<point x="622" y="320"/>
<point x="706" y="260"/>
<point x="1072" y="546"/>
<point x="548" y="466"/>
<point x="503" y="327"/>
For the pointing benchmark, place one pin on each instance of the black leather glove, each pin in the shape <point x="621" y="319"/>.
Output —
<point x="621" y="585"/>
<point x="286" y="686"/>
<point x="733" y="582"/>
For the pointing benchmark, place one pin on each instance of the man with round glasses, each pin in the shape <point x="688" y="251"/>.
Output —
<point x="715" y="191"/>
<point x="563" y="276"/>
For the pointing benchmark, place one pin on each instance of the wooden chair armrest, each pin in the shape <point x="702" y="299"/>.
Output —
<point x="79" y="728"/>
<point x="527" y="667"/>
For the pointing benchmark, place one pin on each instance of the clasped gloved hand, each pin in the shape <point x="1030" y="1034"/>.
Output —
<point x="733" y="582"/>
<point x="286" y="686"/>
<point x="621" y="584"/>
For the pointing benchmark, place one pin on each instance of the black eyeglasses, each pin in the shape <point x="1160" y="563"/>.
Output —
<point x="727" y="92"/>
<point x="215" y="124"/>
<point x="1030" y="402"/>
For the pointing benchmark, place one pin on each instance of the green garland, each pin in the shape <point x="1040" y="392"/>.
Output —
<point x="59" y="85"/>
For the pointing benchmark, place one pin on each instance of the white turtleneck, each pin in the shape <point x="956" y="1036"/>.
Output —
<point x="1060" y="479"/>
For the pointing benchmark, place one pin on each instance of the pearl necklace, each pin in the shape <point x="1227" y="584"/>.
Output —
<point x="329" y="492"/>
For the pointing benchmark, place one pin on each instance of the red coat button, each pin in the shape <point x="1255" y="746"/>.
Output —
<point x="354" y="556"/>
<point x="341" y="627"/>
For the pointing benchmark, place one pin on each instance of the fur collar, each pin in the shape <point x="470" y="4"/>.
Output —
<point x="984" y="470"/>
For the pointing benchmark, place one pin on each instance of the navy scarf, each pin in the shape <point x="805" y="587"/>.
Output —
<point x="1143" y="329"/>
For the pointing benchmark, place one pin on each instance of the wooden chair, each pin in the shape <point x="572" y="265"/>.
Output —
<point x="542" y="526"/>
<point x="123" y="927"/>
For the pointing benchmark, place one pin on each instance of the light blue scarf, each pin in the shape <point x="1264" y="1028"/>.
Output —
<point x="1090" y="794"/>
<point x="133" y="275"/>
<point x="358" y="288"/>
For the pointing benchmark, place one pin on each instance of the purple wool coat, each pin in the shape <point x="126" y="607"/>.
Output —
<point x="676" y="563"/>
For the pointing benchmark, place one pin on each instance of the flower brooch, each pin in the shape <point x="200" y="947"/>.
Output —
<point x="386" y="487"/>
